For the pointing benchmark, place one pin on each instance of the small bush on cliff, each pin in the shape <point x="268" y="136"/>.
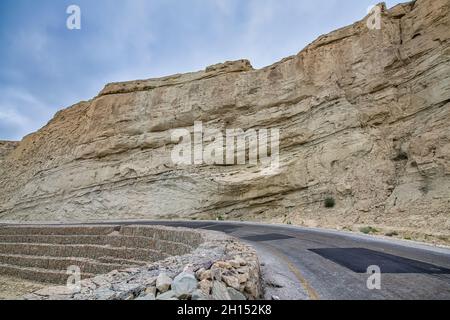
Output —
<point x="392" y="234"/>
<point x="330" y="202"/>
<point x="369" y="230"/>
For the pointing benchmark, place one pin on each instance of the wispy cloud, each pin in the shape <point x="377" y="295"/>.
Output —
<point x="21" y="112"/>
<point x="45" y="67"/>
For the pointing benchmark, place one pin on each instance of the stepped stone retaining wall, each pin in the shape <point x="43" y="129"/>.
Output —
<point x="129" y="262"/>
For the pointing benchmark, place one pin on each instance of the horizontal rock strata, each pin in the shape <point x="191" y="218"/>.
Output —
<point x="6" y="147"/>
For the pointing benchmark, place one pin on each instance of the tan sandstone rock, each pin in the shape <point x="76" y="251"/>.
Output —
<point x="363" y="117"/>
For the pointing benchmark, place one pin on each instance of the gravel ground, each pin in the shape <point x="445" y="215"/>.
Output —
<point x="13" y="288"/>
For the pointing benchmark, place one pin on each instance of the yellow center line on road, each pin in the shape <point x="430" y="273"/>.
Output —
<point x="313" y="295"/>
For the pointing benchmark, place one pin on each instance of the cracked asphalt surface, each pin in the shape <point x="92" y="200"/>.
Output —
<point x="302" y="263"/>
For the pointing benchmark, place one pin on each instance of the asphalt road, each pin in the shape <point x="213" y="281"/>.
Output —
<point x="301" y="263"/>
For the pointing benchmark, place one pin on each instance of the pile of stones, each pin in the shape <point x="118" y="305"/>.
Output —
<point x="221" y="268"/>
<point x="225" y="280"/>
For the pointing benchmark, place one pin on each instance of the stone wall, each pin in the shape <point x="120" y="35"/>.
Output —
<point x="44" y="253"/>
<point x="131" y="262"/>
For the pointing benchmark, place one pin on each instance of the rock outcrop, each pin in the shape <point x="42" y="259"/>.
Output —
<point x="6" y="147"/>
<point x="363" y="114"/>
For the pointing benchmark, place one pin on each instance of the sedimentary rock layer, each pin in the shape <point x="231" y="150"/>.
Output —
<point x="363" y="116"/>
<point x="6" y="147"/>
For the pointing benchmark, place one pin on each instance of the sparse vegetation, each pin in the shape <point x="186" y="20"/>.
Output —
<point x="220" y="218"/>
<point x="368" y="230"/>
<point x="392" y="234"/>
<point x="401" y="156"/>
<point x="425" y="188"/>
<point x="330" y="202"/>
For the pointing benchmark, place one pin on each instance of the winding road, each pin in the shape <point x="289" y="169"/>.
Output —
<point x="316" y="264"/>
<point x="304" y="263"/>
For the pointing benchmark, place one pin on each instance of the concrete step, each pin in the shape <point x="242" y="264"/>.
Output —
<point x="113" y="241"/>
<point x="43" y="253"/>
<point x="180" y="236"/>
<point x="123" y="262"/>
<point x="54" y="263"/>
<point x="38" y="274"/>
<point x="56" y="230"/>
<point x="81" y="251"/>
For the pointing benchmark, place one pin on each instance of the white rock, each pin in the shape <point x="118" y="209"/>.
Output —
<point x="104" y="294"/>
<point x="231" y="281"/>
<point x="163" y="282"/>
<point x="184" y="285"/>
<point x="147" y="297"/>
<point x="235" y="295"/>
<point x="151" y="290"/>
<point x="169" y="295"/>
<point x="199" y="295"/>
<point x="219" y="291"/>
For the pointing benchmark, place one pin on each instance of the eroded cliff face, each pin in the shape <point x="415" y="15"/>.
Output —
<point x="364" y="117"/>
<point x="6" y="147"/>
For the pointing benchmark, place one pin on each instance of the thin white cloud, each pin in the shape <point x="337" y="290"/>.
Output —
<point x="225" y="7"/>
<point x="51" y="67"/>
<point x="12" y="117"/>
<point x="21" y="113"/>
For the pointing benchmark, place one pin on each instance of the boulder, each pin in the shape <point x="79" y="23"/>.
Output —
<point x="104" y="294"/>
<point x="147" y="297"/>
<point x="199" y="295"/>
<point x="168" y="295"/>
<point x="235" y="295"/>
<point x="163" y="282"/>
<point x="184" y="285"/>
<point x="204" y="275"/>
<point x="151" y="290"/>
<point x="219" y="291"/>
<point x="205" y="286"/>
<point x="231" y="281"/>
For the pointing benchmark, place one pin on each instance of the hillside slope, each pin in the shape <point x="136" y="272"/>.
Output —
<point x="364" y="117"/>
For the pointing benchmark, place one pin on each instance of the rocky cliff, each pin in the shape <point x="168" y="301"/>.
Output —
<point x="363" y="114"/>
<point x="6" y="147"/>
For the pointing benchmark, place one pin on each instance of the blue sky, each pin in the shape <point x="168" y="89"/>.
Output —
<point x="45" y="67"/>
